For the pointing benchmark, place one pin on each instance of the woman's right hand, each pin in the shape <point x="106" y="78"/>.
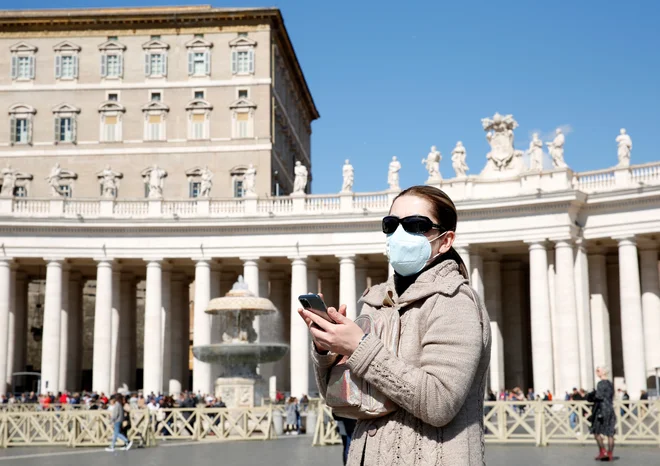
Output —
<point x="309" y="323"/>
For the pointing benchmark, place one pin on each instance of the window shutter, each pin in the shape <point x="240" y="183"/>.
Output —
<point x="28" y="122"/>
<point x="147" y="64"/>
<point x="58" y="66"/>
<point x="251" y="61"/>
<point x="12" y="130"/>
<point x="164" y="63"/>
<point x="120" y="63"/>
<point x="75" y="66"/>
<point x="32" y="66"/>
<point x="234" y="62"/>
<point x="191" y="64"/>
<point x="74" y="129"/>
<point x="57" y="130"/>
<point x="207" y="62"/>
<point x="14" y="67"/>
<point x="104" y="65"/>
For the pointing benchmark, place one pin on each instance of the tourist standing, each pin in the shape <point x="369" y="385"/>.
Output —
<point x="603" y="418"/>
<point x="437" y="377"/>
<point x="117" y="418"/>
<point x="291" y="416"/>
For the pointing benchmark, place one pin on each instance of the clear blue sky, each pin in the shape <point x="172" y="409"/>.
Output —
<point x="393" y="78"/>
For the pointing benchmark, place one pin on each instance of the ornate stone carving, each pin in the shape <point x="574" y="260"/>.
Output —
<point x="393" y="174"/>
<point x="206" y="177"/>
<point x="458" y="157"/>
<point x="502" y="159"/>
<point x="349" y="176"/>
<point x="59" y="177"/>
<point x="109" y="181"/>
<point x="624" y="148"/>
<point x="250" y="181"/>
<point x="11" y="179"/>
<point x="432" y="164"/>
<point x="536" y="153"/>
<point x="154" y="178"/>
<point x="300" y="180"/>
<point x="556" y="149"/>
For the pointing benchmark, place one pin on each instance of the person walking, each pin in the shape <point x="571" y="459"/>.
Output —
<point x="437" y="378"/>
<point x="117" y="418"/>
<point x="603" y="418"/>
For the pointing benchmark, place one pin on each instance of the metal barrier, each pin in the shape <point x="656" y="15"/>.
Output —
<point x="542" y="423"/>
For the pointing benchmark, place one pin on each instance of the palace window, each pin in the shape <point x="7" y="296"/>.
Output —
<point x="198" y="95"/>
<point x="195" y="189"/>
<point x="242" y="55"/>
<point x="112" y="59"/>
<point x="21" y="118"/>
<point x="199" y="57"/>
<point x="66" y="60"/>
<point x="20" y="191"/>
<point x="155" y="57"/>
<point x="242" y="118"/>
<point x="23" y="61"/>
<point x="111" y="121"/>
<point x="237" y="175"/>
<point x="155" y="113"/>
<point x="65" y="123"/>
<point x="65" y="189"/>
<point x="199" y="112"/>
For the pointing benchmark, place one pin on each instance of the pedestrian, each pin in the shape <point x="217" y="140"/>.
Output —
<point x="603" y="419"/>
<point x="292" y="414"/>
<point x="345" y="428"/>
<point x="117" y="418"/>
<point x="436" y="378"/>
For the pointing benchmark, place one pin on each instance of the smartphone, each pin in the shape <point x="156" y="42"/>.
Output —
<point x="313" y="302"/>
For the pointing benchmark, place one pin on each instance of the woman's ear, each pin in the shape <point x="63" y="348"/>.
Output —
<point x="447" y="242"/>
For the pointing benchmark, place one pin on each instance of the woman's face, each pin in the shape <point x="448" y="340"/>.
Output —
<point x="405" y="206"/>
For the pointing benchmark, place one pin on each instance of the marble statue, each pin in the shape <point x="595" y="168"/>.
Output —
<point x="349" y="176"/>
<point x="109" y="180"/>
<point x="154" y="178"/>
<point x="206" y="177"/>
<point x="300" y="180"/>
<point x="458" y="157"/>
<point x="536" y="153"/>
<point x="250" y="181"/>
<point x="9" y="176"/>
<point x="503" y="159"/>
<point x="556" y="149"/>
<point x="393" y="174"/>
<point x="55" y="178"/>
<point x="432" y="164"/>
<point x="624" y="148"/>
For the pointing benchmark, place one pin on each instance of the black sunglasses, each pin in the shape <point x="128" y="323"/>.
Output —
<point x="412" y="224"/>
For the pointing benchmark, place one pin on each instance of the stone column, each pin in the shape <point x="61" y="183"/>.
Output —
<point x="179" y="342"/>
<point x="65" y="322"/>
<point x="115" y="343"/>
<point x="127" y="340"/>
<point x="50" y="349"/>
<point x="651" y="307"/>
<point x="102" y="358"/>
<point x="202" y="326"/>
<point x="600" y="315"/>
<point x="5" y="305"/>
<point x="20" y="314"/>
<point x="567" y="351"/>
<point x="328" y="287"/>
<point x="166" y="327"/>
<point x="347" y="294"/>
<point x="299" y="345"/>
<point x="464" y="252"/>
<point x="541" y="324"/>
<point x="477" y="274"/>
<point x="360" y="285"/>
<point x="512" y="311"/>
<point x="493" y="299"/>
<point x="280" y="327"/>
<point x="153" y="303"/>
<point x="582" y="299"/>
<point x="74" y="353"/>
<point x="251" y="277"/>
<point x="632" y="328"/>
<point x="312" y="287"/>
<point x="12" y="320"/>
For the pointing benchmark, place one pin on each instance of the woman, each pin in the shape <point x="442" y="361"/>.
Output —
<point x="602" y="416"/>
<point x="292" y="416"/>
<point x="437" y="378"/>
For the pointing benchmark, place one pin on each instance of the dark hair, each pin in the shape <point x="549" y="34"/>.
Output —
<point x="445" y="212"/>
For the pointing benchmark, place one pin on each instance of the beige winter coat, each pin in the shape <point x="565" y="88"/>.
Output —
<point x="438" y="377"/>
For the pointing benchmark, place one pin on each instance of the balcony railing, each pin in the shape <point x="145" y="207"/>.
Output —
<point x="459" y="189"/>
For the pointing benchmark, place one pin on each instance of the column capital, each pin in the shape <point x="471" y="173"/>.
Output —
<point x="346" y="258"/>
<point x="298" y="260"/>
<point x="628" y="240"/>
<point x="537" y="244"/>
<point x="150" y="260"/>
<point x="153" y="263"/>
<point x="564" y="243"/>
<point x="250" y="261"/>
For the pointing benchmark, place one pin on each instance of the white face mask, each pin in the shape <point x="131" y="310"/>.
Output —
<point x="409" y="253"/>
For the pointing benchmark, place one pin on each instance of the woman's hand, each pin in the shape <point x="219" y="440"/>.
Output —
<point x="341" y="337"/>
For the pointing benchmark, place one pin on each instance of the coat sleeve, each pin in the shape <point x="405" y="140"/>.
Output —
<point x="451" y="350"/>
<point x="322" y="365"/>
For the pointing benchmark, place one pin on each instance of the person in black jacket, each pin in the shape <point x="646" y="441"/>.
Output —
<point x="603" y="417"/>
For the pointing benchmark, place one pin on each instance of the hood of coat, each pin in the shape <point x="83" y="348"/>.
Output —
<point x="444" y="277"/>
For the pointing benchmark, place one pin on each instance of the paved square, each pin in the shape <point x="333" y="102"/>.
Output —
<point x="296" y="452"/>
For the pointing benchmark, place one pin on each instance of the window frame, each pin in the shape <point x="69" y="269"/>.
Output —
<point x="199" y="107"/>
<point x="64" y="50"/>
<point x="239" y="45"/>
<point x="198" y="45"/>
<point x="28" y="52"/>
<point x="111" y="108"/>
<point x="112" y="48"/>
<point x="155" y="108"/>
<point x="21" y="112"/>
<point x="61" y="112"/>
<point x="242" y="107"/>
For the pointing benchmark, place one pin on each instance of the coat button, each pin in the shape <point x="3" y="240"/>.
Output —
<point x="372" y="430"/>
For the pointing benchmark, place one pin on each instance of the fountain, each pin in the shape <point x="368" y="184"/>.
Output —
<point x="240" y="350"/>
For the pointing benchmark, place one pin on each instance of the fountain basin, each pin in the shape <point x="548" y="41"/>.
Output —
<point x="241" y="353"/>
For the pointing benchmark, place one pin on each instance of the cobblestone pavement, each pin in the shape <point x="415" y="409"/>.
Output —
<point x="297" y="452"/>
